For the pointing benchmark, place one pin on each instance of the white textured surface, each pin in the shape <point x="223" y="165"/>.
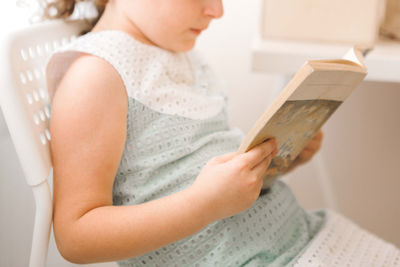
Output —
<point x="342" y="243"/>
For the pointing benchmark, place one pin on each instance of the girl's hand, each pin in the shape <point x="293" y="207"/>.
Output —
<point x="308" y="152"/>
<point x="231" y="183"/>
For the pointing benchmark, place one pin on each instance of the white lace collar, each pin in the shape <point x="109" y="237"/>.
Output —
<point x="171" y="83"/>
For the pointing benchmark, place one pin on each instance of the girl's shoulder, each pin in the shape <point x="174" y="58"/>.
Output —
<point x="87" y="73"/>
<point x="80" y="65"/>
<point x="89" y="92"/>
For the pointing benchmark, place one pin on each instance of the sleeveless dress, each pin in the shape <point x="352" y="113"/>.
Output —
<point x="177" y="121"/>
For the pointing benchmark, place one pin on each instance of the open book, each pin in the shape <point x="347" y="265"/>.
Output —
<point x="303" y="106"/>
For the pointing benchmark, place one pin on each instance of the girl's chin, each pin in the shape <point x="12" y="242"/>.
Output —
<point x="185" y="45"/>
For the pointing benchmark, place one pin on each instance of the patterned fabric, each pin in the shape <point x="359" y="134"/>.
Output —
<point x="170" y="83"/>
<point x="342" y="243"/>
<point x="166" y="148"/>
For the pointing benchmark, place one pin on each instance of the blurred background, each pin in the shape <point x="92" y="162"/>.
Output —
<point x="355" y="173"/>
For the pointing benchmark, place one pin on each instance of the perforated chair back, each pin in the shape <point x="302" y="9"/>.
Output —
<point x="25" y="104"/>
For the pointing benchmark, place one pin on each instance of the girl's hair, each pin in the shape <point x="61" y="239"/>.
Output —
<point x="64" y="8"/>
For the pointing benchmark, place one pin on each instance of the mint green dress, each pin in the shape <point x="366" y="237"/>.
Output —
<point x="169" y="141"/>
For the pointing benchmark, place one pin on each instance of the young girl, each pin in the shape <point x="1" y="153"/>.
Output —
<point x="145" y="169"/>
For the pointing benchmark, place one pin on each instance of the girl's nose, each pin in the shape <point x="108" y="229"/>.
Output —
<point x="214" y="8"/>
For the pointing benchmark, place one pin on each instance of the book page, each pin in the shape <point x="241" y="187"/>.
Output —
<point x="355" y="55"/>
<point x="327" y="84"/>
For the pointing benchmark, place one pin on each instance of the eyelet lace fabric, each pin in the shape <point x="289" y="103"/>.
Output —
<point x="341" y="243"/>
<point x="167" y="145"/>
<point x="170" y="83"/>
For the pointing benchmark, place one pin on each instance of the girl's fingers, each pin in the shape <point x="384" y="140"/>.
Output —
<point x="313" y="146"/>
<point x="306" y="155"/>
<point x="257" y="154"/>
<point x="315" y="142"/>
<point x="225" y="157"/>
<point x="319" y="135"/>
<point x="262" y="167"/>
<point x="302" y="157"/>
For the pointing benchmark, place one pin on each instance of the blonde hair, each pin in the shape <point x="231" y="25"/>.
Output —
<point x="62" y="9"/>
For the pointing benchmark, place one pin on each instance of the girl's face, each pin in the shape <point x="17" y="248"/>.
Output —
<point x="169" y="24"/>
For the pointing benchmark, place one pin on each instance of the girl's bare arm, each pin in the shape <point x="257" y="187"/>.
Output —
<point x="88" y="128"/>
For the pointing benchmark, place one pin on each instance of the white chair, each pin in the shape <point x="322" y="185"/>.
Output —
<point x="26" y="108"/>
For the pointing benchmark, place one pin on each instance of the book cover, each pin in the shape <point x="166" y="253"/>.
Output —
<point x="304" y="105"/>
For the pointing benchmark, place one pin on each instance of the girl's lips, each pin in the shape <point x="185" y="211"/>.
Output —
<point x="196" y="31"/>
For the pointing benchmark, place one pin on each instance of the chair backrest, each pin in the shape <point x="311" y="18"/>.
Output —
<point x="25" y="104"/>
<point x="24" y="98"/>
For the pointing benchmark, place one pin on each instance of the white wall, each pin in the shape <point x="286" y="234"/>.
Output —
<point x="360" y="152"/>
